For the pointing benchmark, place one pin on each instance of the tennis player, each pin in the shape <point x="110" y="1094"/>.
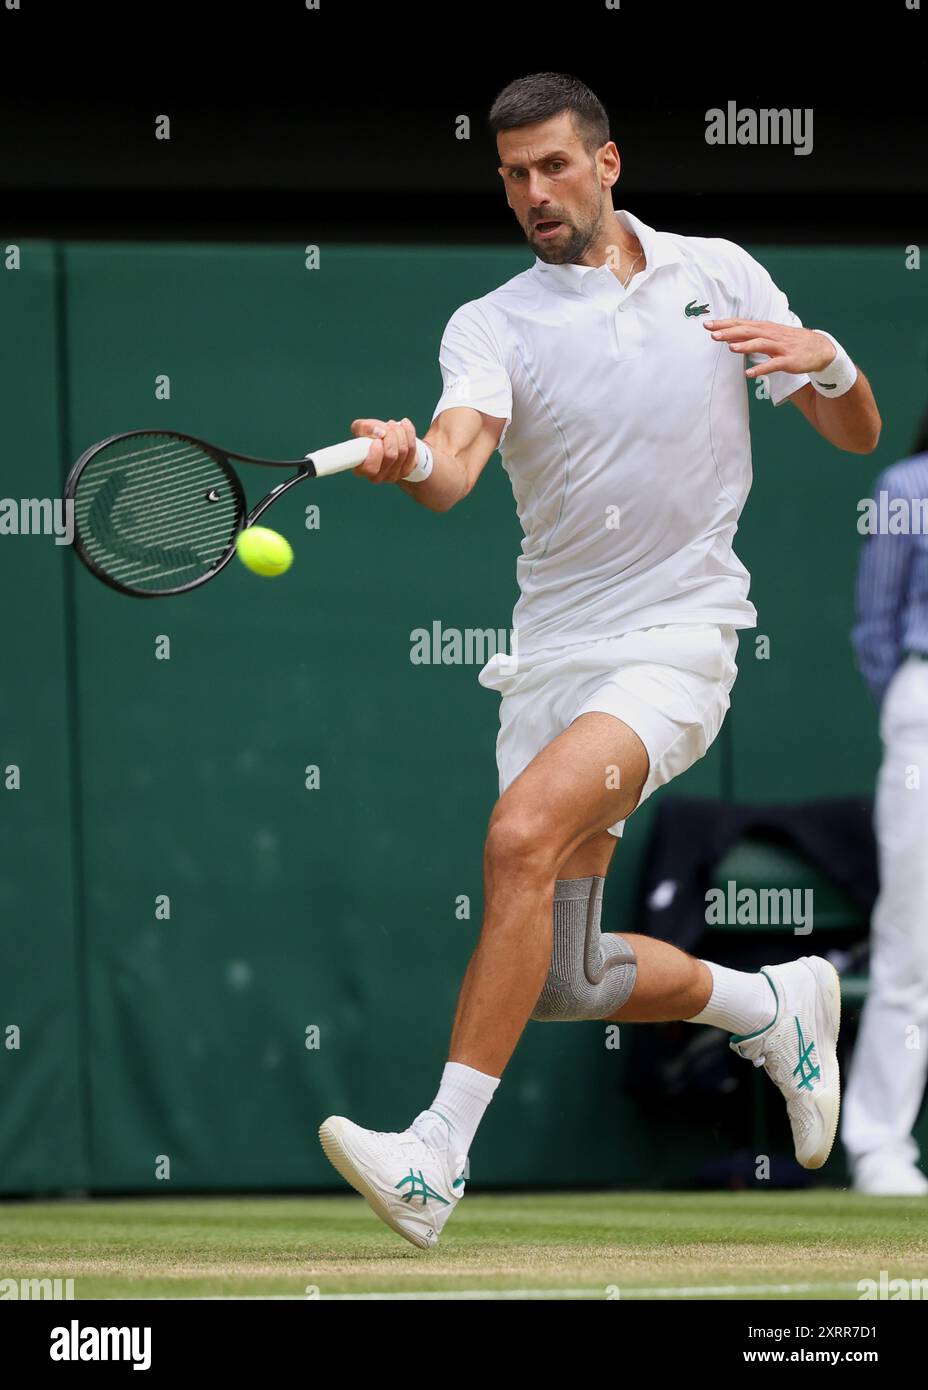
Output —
<point x="612" y="377"/>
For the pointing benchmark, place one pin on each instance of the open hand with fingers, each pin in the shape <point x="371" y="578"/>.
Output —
<point x="792" y="350"/>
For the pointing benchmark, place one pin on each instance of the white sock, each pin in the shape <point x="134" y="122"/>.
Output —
<point x="457" y="1110"/>
<point x="740" y="1002"/>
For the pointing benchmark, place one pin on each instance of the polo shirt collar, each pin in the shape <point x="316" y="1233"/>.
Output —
<point x="659" y="249"/>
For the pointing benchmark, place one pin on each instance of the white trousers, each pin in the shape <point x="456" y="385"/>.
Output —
<point x="890" y="1061"/>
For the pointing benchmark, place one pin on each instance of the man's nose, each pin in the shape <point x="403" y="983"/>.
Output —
<point x="538" y="196"/>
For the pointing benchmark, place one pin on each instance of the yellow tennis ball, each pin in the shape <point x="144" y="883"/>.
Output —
<point x="263" y="551"/>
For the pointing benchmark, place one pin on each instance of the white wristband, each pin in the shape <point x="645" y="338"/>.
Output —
<point x="424" y="466"/>
<point x="840" y="374"/>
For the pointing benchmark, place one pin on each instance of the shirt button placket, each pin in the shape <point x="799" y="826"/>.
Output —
<point x="617" y="329"/>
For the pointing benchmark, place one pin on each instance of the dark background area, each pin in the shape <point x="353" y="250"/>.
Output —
<point x="339" y="123"/>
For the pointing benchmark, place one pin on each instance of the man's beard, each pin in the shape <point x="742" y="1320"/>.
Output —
<point x="569" y="245"/>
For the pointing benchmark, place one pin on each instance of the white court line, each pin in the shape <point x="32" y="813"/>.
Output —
<point x="704" y="1291"/>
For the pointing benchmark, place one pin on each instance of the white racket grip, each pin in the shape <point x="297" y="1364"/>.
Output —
<point x="338" y="458"/>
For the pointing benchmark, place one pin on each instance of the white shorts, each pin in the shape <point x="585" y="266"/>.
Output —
<point x="670" y="684"/>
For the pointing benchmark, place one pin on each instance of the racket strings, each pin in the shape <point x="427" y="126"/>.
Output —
<point x="156" y="516"/>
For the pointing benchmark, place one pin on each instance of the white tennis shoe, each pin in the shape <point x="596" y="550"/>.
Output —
<point x="798" y="1051"/>
<point x="888" y="1176"/>
<point x="410" y="1185"/>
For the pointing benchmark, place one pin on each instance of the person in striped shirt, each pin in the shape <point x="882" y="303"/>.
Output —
<point x="890" y="638"/>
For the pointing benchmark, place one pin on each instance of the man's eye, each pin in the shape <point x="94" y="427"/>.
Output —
<point x="555" y="165"/>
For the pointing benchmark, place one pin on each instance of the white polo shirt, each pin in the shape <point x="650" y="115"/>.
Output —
<point x="627" y="436"/>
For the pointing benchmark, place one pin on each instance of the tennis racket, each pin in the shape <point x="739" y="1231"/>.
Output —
<point x="158" y="513"/>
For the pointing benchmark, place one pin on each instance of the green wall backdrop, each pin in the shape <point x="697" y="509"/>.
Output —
<point x="142" y="1038"/>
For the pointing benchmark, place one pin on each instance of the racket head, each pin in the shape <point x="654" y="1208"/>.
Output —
<point x="156" y="512"/>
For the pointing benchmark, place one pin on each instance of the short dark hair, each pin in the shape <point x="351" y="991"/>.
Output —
<point x="547" y="94"/>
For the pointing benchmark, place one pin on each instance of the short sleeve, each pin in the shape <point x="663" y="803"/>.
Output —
<point x="473" y="369"/>
<point x="764" y="301"/>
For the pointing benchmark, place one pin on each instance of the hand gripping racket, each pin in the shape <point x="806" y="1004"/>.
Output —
<point x="157" y="513"/>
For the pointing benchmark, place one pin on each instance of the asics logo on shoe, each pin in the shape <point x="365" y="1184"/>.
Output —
<point x="418" y="1187"/>
<point x="806" y="1070"/>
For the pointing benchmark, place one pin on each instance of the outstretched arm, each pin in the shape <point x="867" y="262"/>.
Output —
<point x="462" y="441"/>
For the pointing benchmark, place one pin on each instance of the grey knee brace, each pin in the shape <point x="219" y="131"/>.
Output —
<point x="592" y="973"/>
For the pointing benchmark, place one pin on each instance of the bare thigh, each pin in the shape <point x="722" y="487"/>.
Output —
<point x="561" y="805"/>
